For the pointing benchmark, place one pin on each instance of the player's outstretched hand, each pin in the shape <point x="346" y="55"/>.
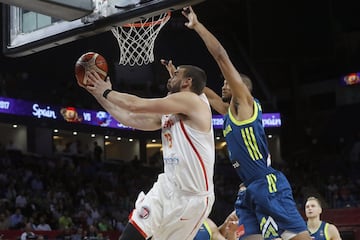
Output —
<point x="169" y="66"/>
<point x="189" y="13"/>
<point x="97" y="85"/>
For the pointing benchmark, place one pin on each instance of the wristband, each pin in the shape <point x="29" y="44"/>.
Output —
<point x="106" y="93"/>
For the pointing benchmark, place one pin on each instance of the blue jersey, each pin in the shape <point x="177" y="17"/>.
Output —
<point x="247" y="145"/>
<point x="266" y="206"/>
<point x="204" y="232"/>
<point x="321" y="233"/>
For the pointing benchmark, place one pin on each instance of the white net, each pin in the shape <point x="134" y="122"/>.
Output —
<point x="136" y="40"/>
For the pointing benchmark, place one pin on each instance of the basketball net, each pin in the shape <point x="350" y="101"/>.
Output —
<point x="136" y="40"/>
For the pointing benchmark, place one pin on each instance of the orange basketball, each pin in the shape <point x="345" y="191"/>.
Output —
<point x="90" y="61"/>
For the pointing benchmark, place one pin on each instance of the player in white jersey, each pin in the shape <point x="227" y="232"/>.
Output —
<point x="182" y="197"/>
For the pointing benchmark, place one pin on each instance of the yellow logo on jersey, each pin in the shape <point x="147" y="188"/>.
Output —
<point x="269" y="227"/>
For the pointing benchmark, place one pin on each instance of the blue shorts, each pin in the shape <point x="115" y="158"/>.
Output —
<point x="267" y="207"/>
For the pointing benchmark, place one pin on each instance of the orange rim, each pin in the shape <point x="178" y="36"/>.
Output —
<point x="148" y="24"/>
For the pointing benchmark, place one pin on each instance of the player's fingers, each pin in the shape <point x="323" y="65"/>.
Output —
<point x="164" y="62"/>
<point x="90" y="88"/>
<point x="90" y="77"/>
<point x="95" y="74"/>
<point x="186" y="10"/>
<point x="233" y="218"/>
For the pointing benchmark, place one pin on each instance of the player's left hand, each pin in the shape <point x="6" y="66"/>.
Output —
<point x="169" y="66"/>
<point x="189" y="13"/>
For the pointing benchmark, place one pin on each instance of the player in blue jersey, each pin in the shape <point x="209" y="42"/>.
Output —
<point x="319" y="230"/>
<point x="266" y="206"/>
<point x="226" y="231"/>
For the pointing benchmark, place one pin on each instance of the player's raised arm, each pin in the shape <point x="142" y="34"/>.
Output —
<point x="216" y="101"/>
<point x="239" y="89"/>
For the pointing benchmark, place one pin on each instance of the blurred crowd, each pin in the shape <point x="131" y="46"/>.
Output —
<point x="84" y="197"/>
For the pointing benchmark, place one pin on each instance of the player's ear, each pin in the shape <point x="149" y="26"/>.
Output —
<point x="187" y="82"/>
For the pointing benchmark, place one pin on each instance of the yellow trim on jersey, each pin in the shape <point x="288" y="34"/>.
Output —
<point x="250" y="120"/>
<point x="327" y="237"/>
<point x="206" y="225"/>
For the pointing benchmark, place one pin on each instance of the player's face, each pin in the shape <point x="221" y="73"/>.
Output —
<point x="312" y="209"/>
<point x="226" y="92"/>
<point x="174" y="84"/>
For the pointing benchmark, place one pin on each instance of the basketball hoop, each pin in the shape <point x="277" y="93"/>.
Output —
<point x="136" y="40"/>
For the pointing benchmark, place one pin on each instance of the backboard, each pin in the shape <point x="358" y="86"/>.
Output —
<point x="26" y="32"/>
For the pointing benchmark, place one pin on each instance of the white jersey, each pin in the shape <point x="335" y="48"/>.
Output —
<point x="182" y="197"/>
<point x="188" y="155"/>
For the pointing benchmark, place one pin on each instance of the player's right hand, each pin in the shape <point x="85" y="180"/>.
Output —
<point x="97" y="84"/>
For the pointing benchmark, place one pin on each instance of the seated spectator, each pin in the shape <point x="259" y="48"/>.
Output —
<point x="65" y="221"/>
<point x="4" y="222"/>
<point x="78" y="235"/>
<point x="43" y="226"/>
<point x="16" y="219"/>
<point x="92" y="233"/>
<point x="103" y="226"/>
<point x="11" y="146"/>
<point x="65" y="234"/>
<point x="28" y="232"/>
<point x="21" y="200"/>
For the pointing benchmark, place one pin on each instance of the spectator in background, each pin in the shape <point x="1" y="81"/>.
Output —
<point x="11" y="191"/>
<point x="92" y="233"/>
<point x="355" y="152"/>
<point x="4" y="222"/>
<point x="97" y="152"/>
<point x="3" y="85"/>
<point x="78" y="235"/>
<point x="332" y="189"/>
<point x="2" y="149"/>
<point x="11" y="146"/>
<point x="65" y="221"/>
<point x="43" y="226"/>
<point x="16" y="219"/>
<point x="65" y="234"/>
<point x="37" y="184"/>
<point x="102" y="225"/>
<point x="40" y="237"/>
<point x="28" y="232"/>
<point x="318" y="229"/>
<point x="21" y="201"/>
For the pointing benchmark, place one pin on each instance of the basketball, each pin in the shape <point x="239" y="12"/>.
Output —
<point x="87" y="62"/>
